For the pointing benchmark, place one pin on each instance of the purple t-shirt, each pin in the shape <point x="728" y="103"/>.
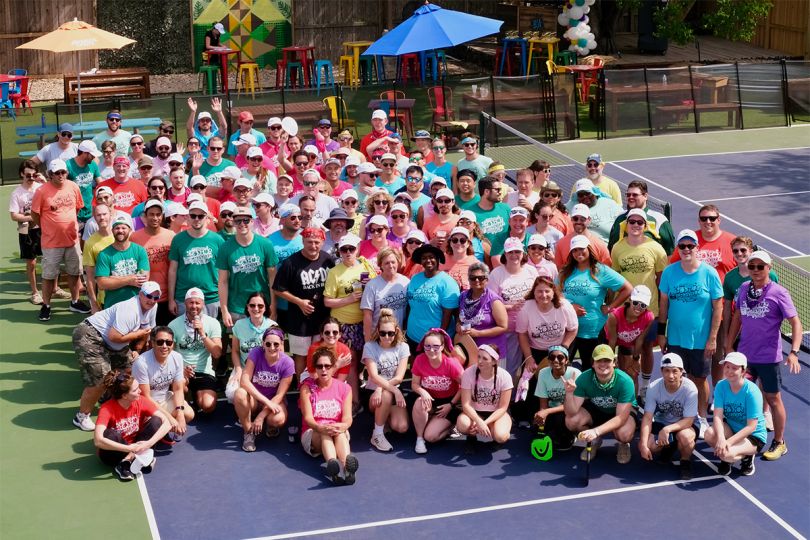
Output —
<point x="479" y="316"/>
<point x="760" y="339"/>
<point x="266" y="378"/>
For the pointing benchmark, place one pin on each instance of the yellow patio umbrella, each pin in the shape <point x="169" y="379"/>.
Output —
<point x="77" y="36"/>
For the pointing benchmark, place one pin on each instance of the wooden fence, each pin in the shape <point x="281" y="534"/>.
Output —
<point x="786" y="28"/>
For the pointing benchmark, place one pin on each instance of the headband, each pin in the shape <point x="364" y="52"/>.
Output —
<point x="313" y="232"/>
<point x="490" y="351"/>
<point x="448" y="342"/>
<point x="273" y="331"/>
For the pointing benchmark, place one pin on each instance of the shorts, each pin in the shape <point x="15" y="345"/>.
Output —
<point x="30" y="247"/>
<point x="212" y="309"/>
<point x="306" y="442"/>
<point x="769" y="374"/>
<point x="352" y="336"/>
<point x="202" y="381"/>
<point x="299" y="345"/>
<point x="758" y="444"/>
<point x="599" y="416"/>
<point x="451" y="417"/>
<point x="52" y="258"/>
<point x="652" y="333"/>
<point x="694" y="361"/>
<point x="96" y="359"/>
<point x="658" y="426"/>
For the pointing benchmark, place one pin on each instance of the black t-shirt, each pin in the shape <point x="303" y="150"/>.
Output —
<point x="305" y="279"/>
<point x="212" y="39"/>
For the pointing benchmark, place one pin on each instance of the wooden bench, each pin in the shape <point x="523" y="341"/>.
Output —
<point x="107" y="83"/>
<point x="450" y="127"/>
<point x="673" y="111"/>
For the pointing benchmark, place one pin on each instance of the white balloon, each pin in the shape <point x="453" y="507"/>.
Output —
<point x="585" y="11"/>
<point x="590" y="2"/>
<point x="591" y="44"/>
<point x="575" y="12"/>
<point x="563" y="19"/>
<point x="590" y="37"/>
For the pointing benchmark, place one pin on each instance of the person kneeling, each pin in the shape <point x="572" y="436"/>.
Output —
<point x="326" y="407"/>
<point x="486" y="390"/>
<point x="127" y="426"/>
<point x="551" y="391"/>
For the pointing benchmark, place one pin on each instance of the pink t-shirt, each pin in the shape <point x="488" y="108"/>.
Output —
<point x="440" y="382"/>
<point x="628" y="332"/>
<point x="459" y="270"/>
<point x="431" y="225"/>
<point x="486" y="393"/>
<point x="512" y="288"/>
<point x="327" y="403"/>
<point x="546" y="329"/>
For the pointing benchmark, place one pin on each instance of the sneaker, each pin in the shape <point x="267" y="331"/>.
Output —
<point x="523" y="424"/>
<point x="146" y="469"/>
<point x="769" y="421"/>
<point x="623" y="453"/>
<point x="777" y="450"/>
<point x="45" y="313"/>
<point x="333" y="471"/>
<point x="747" y="466"/>
<point x="420" y="447"/>
<point x="455" y="435"/>
<point x="723" y="468"/>
<point x="171" y="438"/>
<point x="563" y="445"/>
<point x="249" y="442"/>
<point x="271" y="432"/>
<point x="470" y="445"/>
<point x="685" y="469"/>
<point x="79" y="307"/>
<point x="292" y="433"/>
<point x="123" y="472"/>
<point x="595" y="445"/>
<point x="379" y="442"/>
<point x="703" y="424"/>
<point x="83" y="422"/>
<point x="61" y="294"/>
<point x="35" y="298"/>
<point x="351" y="468"/>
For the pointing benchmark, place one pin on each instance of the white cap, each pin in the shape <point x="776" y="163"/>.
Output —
<point x="197" y="180"/>
<point x="438" y="180"/>
<point x="231" y="172"/>
<point x="641" y="293"/>
<point x="583" y="184"/>
<point x="687" y="233"/>
<point x="194" y="197"/>
<point x="150" y="287"/>
<point x="57" y="165"/>
<point x="195" y="292"/>
<point x="198" y="205"/>
<point x="89" y="146"/>
<point x="163" y="141"/>
<point x="512" y="244"/>
<point x="467" y="214"/>
<point x="581" y="210"/>
<point x="122" y="219"/>
<point x="176" y="209"/>
<point x="265" y="198"/>
<point x="245" y="138"/>
<point x="243" y="182"/>
<point x="389" y="156"/>
<point x="204" y="114"/>
<point x="101" y="189"/>
<point x="311" y="172"/>
<point x="377" y="220"/>
<point x="349" y="240"/>
<point x="219" y="28"/>
<point x="416" y="234"/>
<point x="254" y="151"/>
<point x="175" y="157"/>
<point x="332" y="161"/>
<point x="150" y="203"/>
<point x="672" y="360"/>
<point x="444" y="192"/>
<point x="637" y="212"/>
<point x="401" y="207"/>
<point x="227" y="206"/>
<point x="349" y="194"/>
<point x="311" y="149"/>
<point x="288" y="209"/>
<point x="460" y="230"/>
<point x="580" y="241"/>
<point x="379" y="113"/>
<point x="352" y="160"/>
<point x="274" y="121"/>
<point x="736" y="358"/>
<point x="367" y="168"/>
<point x="519" y="211"/>
<point x="538" y="240"/>
<point x="342" y="151"/>
<point x="762" y="256"/>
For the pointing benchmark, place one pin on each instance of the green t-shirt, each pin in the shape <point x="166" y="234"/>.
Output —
<point x="469" y="205"/>
<point x="193" y="350"/>
<point x="622" y="391"/>
<point x="112" y="262"/>
<point x="196" y="260"/>
<point x="213" y="173"/>
<point x="494" y="223"/>
<point x="733" y="280"/>
<point x="247" y="269"/>
<point x="85" y="177"/>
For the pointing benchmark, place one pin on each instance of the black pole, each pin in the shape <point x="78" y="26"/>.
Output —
<point x="647" y="95"/>
<point x="694" y="100"/>
<point x="739" y="94"/>
<point x="785" y="92"/>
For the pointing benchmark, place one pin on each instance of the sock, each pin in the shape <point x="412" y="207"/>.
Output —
<point x="645" y="380"/>
<point x="379" y="430"/>
<point x="420" y="439"/>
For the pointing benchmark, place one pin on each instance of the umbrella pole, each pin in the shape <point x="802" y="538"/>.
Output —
<point x="79" y="86"/>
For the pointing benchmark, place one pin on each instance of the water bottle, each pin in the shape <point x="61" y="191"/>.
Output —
<point x="664" y="80"/>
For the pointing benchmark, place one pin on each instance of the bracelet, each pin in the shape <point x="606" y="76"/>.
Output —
<point x="662" y="328"/>
<point x="597" y="432"/>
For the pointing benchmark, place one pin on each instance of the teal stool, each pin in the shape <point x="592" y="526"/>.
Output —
<point x="565" y="58"/>
<point x="367" y="70"/>
<point x="441" y="59"/>
<point x="294" y="76"/>
<point x="324" y="74"/>
<point x="210" y="73"/>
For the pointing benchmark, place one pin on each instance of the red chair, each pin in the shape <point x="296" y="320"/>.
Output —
<point x="399" y="116"/>
<point x="441" y="102"/>
<point x="22" y="97"/>
<point x="508" y="66"/>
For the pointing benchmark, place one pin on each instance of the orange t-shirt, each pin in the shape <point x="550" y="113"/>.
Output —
<point x="157" y="249"/>
<point x="127" y="195"/>
<point x="563" y="248"/>
<point x="341" y="349"/>
<point x="432" y="224"/>
<point x="58" y="213"/>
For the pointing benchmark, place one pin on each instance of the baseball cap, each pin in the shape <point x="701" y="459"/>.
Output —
<point x="197" y="180"/>
<point x="150" y="287"/>
<point x="421" y="134"/>
<point x="89" y="146"/>
<point x="273" y="121"/>
<point x="342" y="151"/>
<point x="175" y="158"/>
<point x="349" y="240"/>
<point x="245" y="138"/>
<point x="231" y="172"/>
<point x="144" y="160"/>
<point x="288" y="210"/>
<point x="227" y="206"/>
<point x="332" y="161"/>
<point x="760" y="255"/>
<point x="241" y="211"/>
<point x="243" y="182"/>
<point x="672" y="360"/>
<point x="687" y="233"/>
<point x="512" y="244"/>
<point x="538" y="240"/>
<point x="581" y="210"/>
<point x="65" y="126"/>
<point x="324" y="122"/>
<point x="311" y="149"/>
<point x="519" y="211"/>
<point x="444" y="192"/>
<point x="245" y="115"/>
<point x="467" y="214"/>
<point x="122" y="219"/>
<point x="641" y="293"/>
<point x="379" y="114"/>
<point x="219" y="28"/>
<point x="401" y="207"/>
<point x="198" y="205"/>
<point x="580" y="241"/>
<point x="583" y="184"/>
<point x="637" y="212"/>
<point x="57" y="165"/>
<point x="416" y="234"/>
<point x="736" y="358"/>
<point x="382" y="221"/>
<point x="254" y="151"/>
<point x="603" y="351"/>
<point x="163" y="141"/>
<point x="389" y="156"/>
<point x="594" y="157"/>
<point x="176" y="209"/>
<point x="194" y="197"/>
<point x="460" y="230"/>
<point x="349" y="194"/>
<point x="367" y="168"/>
<point x="195" y="292"/>
<point x="101" y="189"/>
<point x="204" y="114"/>
<point x="264" y="198"/>
<point x="150" y="203"/>
<point x="395" y="136"/>
<point x="438" y="180"/>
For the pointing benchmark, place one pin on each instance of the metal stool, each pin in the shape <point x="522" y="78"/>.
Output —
<point x="367" y="70"/>
<point x="208" y="73"/>
<point x="324" y="74"/>
<point x="294" y="75"/>
<point x="565" y="58"/>
<point x="348" y="71"/>
<point x="409" y="68"/>
<point x="248" y="76"/>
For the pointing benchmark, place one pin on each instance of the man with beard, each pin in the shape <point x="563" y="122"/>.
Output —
<point x="157" y="242"/>
<point x="122" y="267"/>
<point x="83" y="170"/>
<point x="128" y="193"/>
<point x="160" y="163"/>
<point x="115" y="134"/>
<point x="93" y="246"/>
<point x="580" y="219"/>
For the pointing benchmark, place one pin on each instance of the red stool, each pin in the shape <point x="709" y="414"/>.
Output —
<point x="508" y="66"/>
<point x="281" y="69"/>
<point x="410" y="68"/>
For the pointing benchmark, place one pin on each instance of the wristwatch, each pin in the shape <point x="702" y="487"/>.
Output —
<point x="180" y="408"/>
<point x="795" y="351"/>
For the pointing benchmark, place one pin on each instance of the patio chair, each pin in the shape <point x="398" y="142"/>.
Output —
<point x="441" y="102"/>
<point x="5" y="100"/>
<point x="339" y="114"/>
<point x="400" y="117"/>
<point x="21" y="97"/>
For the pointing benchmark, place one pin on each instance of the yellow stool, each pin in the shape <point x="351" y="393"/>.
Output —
<point x="248" y="76"/>
<point x="548" y="42"/>
<point x="349" y="77"/>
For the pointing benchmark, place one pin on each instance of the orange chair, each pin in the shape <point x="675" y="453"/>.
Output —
<point x="399" y="116"/>
<point x="441" y="102"/>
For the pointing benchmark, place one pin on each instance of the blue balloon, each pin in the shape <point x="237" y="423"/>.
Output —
<point x="580" y="2"/>
<point x="582" y="42"/>
<point x="573" y="22"/>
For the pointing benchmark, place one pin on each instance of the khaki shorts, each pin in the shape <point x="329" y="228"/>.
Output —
<point x="95" y="358"/>
<point x="306" y="442"/>
<point x="52" y="258"/>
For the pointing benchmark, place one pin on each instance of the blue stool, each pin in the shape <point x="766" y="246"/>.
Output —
<point x="429" y="57"/>
<point x="324" y="74"/>
<point x="513" y="42"/>
<point x="294" y="75"/>
<point x="442" y="59"/>
<point x="367" y="68"/>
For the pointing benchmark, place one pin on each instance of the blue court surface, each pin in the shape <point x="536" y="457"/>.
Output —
<point x="207" y="487"/>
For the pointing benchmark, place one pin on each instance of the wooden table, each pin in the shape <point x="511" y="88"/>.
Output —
<point x="522" y="99"/>
<point x="306" y="55"/>
<point x="614" y="94"/>
<point x="355" y="47"/>
<point x="404" y="104"/>
<point x="301" y="111"/>
<point x="586" y="75"/>
<point x="223" y="53"/>
<point x="108" y="82"/>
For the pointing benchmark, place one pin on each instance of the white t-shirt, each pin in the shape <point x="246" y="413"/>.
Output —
<point x="379" y="294"/>
<point x="324" y="205"/>
<point x="512" y="198"/>
<point x="53" y="151"/>
<point x="669" y="408"/>
<point x="20" y="203"/>
<point x="387" y="360"/>
<point x="125" y="317"/>
<point x="546" y="329"/>
<point x="487" y="393"/>
<point x="147" y="370"/>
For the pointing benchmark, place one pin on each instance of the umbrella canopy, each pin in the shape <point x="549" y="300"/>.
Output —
<point x="77" y="35"/>
<point x="431" y="27"/>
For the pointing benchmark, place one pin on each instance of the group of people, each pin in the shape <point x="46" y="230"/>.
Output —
<point x="426" y="292"/>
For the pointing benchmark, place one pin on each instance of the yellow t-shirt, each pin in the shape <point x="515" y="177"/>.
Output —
<point x="95" y="245"/>
<point x="340" y="284"/>
<point x="639" y="264"/>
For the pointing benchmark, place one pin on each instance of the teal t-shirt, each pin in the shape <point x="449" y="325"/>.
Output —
<point x="580" y="288"/>
<point x="480" y="165"/>
<point x="494" y="223"/>
<point x="427" y="298"/>
<point x="193" y="350"/>
<point x="86" y="178"/>
<point x="247" y="269"/>
<point x="689" y="316"/>
<point x="112" y="262"/>
<point x="621" y="391"/>
<point x="445" y="171"/>
<point x="740" y="407"/>
<point x="471" y="205"/>
<point x="249" y="336"/>
<point x="554" y="389"/>
<point x="393" y="187"/>
<point x="213" y="173"/>
<point x="196" y="260"/>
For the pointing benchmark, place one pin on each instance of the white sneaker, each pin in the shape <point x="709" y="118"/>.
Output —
<point x="703" y="424"/>
<point x="420" y="447"/>
<point x="596" y="444"/>
<point x="83" y="422"/>
<point x="379" y="442"/>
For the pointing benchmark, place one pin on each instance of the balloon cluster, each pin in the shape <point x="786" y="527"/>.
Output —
<point x="575" y="16"/>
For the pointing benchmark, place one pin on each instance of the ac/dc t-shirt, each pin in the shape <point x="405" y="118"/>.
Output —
<point x="304" y="279"/>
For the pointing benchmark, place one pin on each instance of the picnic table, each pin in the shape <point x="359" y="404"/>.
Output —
<point x="302" y="111"/>
<point x="108" y="83"/>
<point x="615" y="94"/>
<point x="92" y="127"/>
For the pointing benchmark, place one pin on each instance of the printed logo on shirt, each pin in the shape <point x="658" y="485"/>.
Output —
<point x="246" y="264"/>
<point x="688" y="292"/>
<point x="669" y="409"/>
<point x="188" y="343"/>
<point x="124" y="267"/>
<point x="734" y="412"/>
<point x="440" y="383"/>
<point x="127" y="426"/>
<point x="759" y="311"/>
<point x="395" y="301"/>
<point x="84" y="179"/>
<point x="327" y="409"/>
<point x="313" y="278"/>
<point x="604" y="402"/>
<point x="629" y="336"/>
<point x="246" y="345"/>
<point x="516" y="294"/>
<point x="556" y="395"/>
<point x="712" y="257"/>
<point x="266" y="378"/>
<point x="214" y="179"/>
<point x="485" y="396"/>
<point x="547" y="332"/>
<point x="425" y="293"/>
<point x="635" y="264"/>
<point x="124" y="199"/>
<point x="158" y="254"/>
<point x="62" y="202"/>
<point x="161" y="382"/>
<point x="493" y="225"/>
<point x="199" y="255"/>
<point x="577" y="287"/>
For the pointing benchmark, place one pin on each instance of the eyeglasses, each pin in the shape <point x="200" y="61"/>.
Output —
<point x="557" y="358"/>
<point x="443" y="201"/>
<point x="323" y="366"/>
<point x="478" y="278"/>
<point x="414" y="179"/>
<point x="381" y="202"/>
<point x="433" y="347"/>
<point x="378" y="230"/>
<point x="67" y="134"/>
<point x="168" y="130"/>
<point x="756" y="267"/>
<point x="216" y="148"/>
<point x="470" y="145"/>
<point x="241" y="221"/>
<point x="136" y="143"/>
<point x="704" y="219"/>
<point x="162" y="342"/>
<point x="255" y="306"/>
<point x="347" y="249"/>
<point x="198" y="186"/>
<point x="439" y="148"/>
<point x="398" y="216"/>
<point x="196" y="216"/>
<point x="154" y="297"/>
<point x="331" y="332"/>
<point x="311" y="184"/>
<point x="412" y="242"/>
<point x="550" y="195"/>
<point x="350" y="202"/>
<point x="635" y="222"/>
<point x="387" y="333"/>
<point x="272" y="345"/>
<point x="458" y="240"/>
<point x="740" y="250"/>
<point x="641" y="305"/>
<point x="301" y="163"/>
<point x="686" y="247"/>
<point x="579" y="219"/>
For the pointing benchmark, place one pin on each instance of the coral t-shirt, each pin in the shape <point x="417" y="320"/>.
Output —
<point x="340" y="349"/>
<point x="58" y="209"/>
<point x="127" y="194"/>
<point x="128" y="421"/>
<point x="157" y="250"/>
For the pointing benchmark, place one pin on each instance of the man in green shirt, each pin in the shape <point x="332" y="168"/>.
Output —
<point x="83" y="170"/>
<point x="599" y="401"/>
<point x="123" y="266"/>
<point x="492" y="215"/>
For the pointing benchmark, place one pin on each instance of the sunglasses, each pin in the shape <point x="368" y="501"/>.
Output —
<point x="413" y="179"/>
<point x="388" y="165"/>
<point x="158" y="188"/>
<point x="635" y="222"/>
<point x="350" y="202"/>
<point x="226" y="215"/>
<point x="641" y="305"/>
<point x="323" y="366"/>
<point x="114" y="120"/>
<point x="378" y="230"/>
<point x="740" y="250"/>
<point x="388" y="333"/>
<point x="458" y="240"/>
<point x="579" y="219"/>
<point x="216" y="148"/>
<point x="255" y="306"/>
<point x="538" y="248"/>
<point x="629" y="194"/>
<point x="29" y="176"/>
<point x="162" y="342"/>
<point x="686" y="247"/>
<point x="344" y="139"/>
<point x="295" y="218"/>
<point x="198" y="186"/>
<point x="398" y="216"/>
<point x="193" y="143"/>
<point x="168" y="130"/>
<point x="274" y="128"/>
<point x="557" y="358"/>
<point x="550" y="195"/>
<point x="67" y="134"/>
<point x="704" y="219"/>
<point x="59" y="173"/>
<point x="242" y="221"/>
<point x="255" y="158"/>
<point x="311" y="184"/>
<point x="272" y="345"/>
<point x="414" y="242"/>
<point x="756" y="267"/>
<point x="478" y="278"/>
<point x="331" y="332"/>
<point x="347" y="249"/>
<point x="301" y="163"/>
<point x="381" y="202"/>
<point x="443" y="201"/>
<point x="145" y="168"/>
<point x="433" y="347"/>
<point x="592" y="165"/>
<point x="470" y="145"/>
<point x="166" y="148"/>
<point x="154" y="297"/>
<point x="136" y="143"/>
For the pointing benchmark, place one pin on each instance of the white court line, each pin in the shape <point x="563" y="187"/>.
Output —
<point x="147" y="506"/>
<point x="794" y="256"/>
<point x="696" y="203"/>
<point x="468" y="511"/>
<point x="756" y="196"/>
<point x="759" y="504"/>
<point x="708" y="154"/>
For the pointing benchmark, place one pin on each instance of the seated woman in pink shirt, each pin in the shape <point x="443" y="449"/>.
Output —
<point x="326" y="408"/>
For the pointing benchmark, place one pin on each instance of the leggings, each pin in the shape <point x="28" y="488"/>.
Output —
<point x="114" y="457"/>
<point x="585" y="347"/>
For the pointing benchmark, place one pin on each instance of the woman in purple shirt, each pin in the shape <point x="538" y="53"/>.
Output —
<point x="482" y="314"/>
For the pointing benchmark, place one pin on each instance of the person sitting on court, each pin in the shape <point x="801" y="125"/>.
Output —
<point x="486" y="390"/>
<point x="159" y="372"/>
<point x="669" y="416"/>
<point x="600" y="401"/>
<point x="261" y="400"/>
<point x="436" y="381"/>
<point x="386" y="360"/>
<point x="326" y="408"/>
<point x="738" y="429"/>
<point x="551" y="392"/>
<point x="128" y="425"/>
